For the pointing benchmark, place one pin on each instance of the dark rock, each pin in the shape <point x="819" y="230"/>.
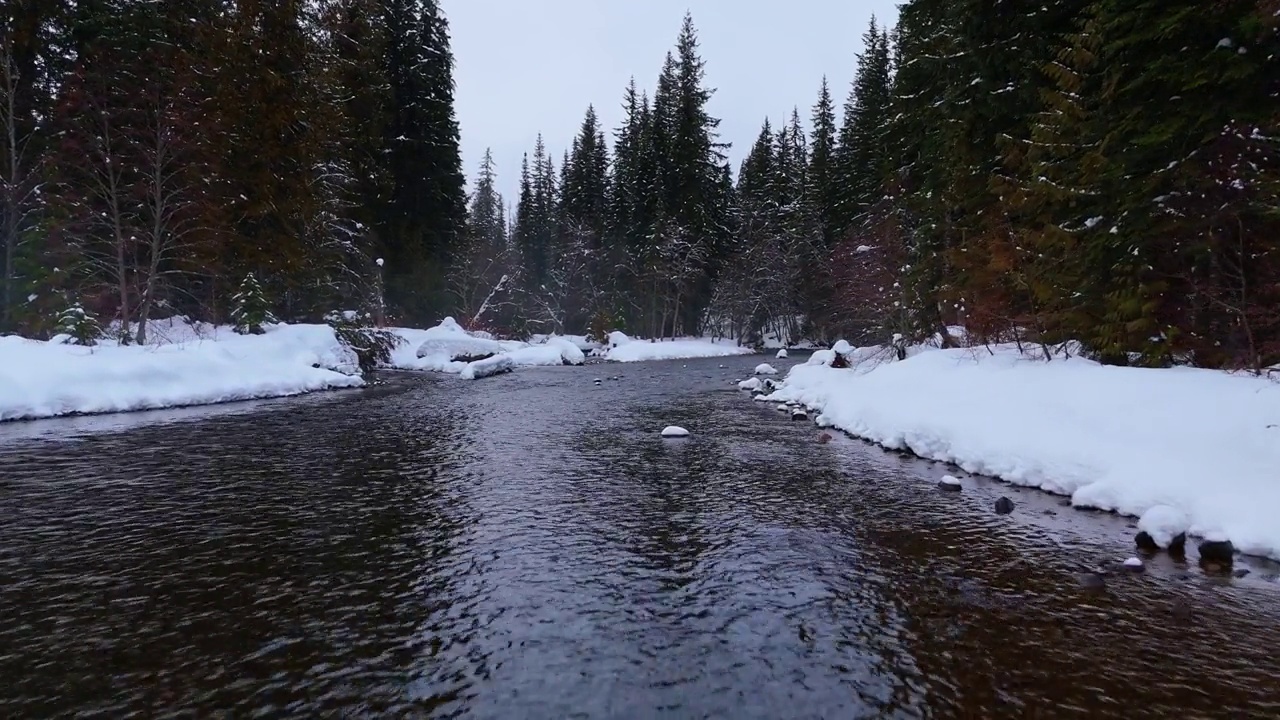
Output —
<point x="949" y="486"/>
<point x="1004" y="506"/>
<point x="1050" y="512"/>
<point x="1146" y="543"/>
<point x="470" y="358"/>
<point x="1178" y="546"/>
<point x="799" y="415"/>
<point x="1214" y="551"/>
<point x="1065" y="503"/>
<point x="1242" y="572"/>
<point x="1091" y="581"/>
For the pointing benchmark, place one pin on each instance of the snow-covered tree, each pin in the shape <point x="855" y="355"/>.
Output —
<point x="79" y="325"/>
<point x="250" y="308"/>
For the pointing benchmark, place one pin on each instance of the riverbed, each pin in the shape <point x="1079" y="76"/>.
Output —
<point x="528" y="546"/>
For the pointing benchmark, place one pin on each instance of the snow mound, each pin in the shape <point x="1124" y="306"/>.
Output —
<point x="782" y="354"/>
<point x="842" y="347"/>
<point x="1164" y="523"/>
<point x="487" y="367"/>
<point x="674" y="431"/>
<point x="1131" y="440"/>
<point x="636" y="351"/>
<point x="822" y="358"/>
<point x="554" y="352"/>
<point x="750" y="384"/>
<point x="444" y="348"/>
<point x="570" y="351"/>
<point x="618" y="339"/>
<point x="40" y="379"/>
<point x="765" y="369"/>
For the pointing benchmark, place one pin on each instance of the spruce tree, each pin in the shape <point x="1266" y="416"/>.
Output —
<point x="250" y="309"/>
<point x="486" y="221"/>
<point x="424" y="219"/>
<point x="860" y="157"/>
<point x="822" y="176"/>
<point x="81" y="327"/>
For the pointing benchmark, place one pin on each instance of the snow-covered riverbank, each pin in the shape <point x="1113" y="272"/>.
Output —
<point x="195" y="365"/>
<point x="625" y="349"/>
<point x="190" y="363"/>
<point x="1183" y="449"/>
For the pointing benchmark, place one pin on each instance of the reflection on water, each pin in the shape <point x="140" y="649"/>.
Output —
<point x="527" y="546"/>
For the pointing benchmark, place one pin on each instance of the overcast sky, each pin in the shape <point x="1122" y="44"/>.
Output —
<point x="530" y="66"/>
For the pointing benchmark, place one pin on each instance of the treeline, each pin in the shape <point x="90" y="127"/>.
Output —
<point x="1076" y="170"/>
<point x="154" y="154"/>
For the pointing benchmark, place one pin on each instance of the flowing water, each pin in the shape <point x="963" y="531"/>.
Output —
<point x="527" y="546"/>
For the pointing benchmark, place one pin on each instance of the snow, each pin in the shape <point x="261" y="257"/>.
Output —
<point x="1163" y="523"/>
<point x="1133" y="563"/>
<point x="1155" y="444"/>
<point x="639" y="351"/>
<point x="555" y="352"/>
<point x="48" y="379"/>
<point x="949" y="481"/>
<point x="487" y="367"/>
<point x="765" y="369"/>
<point x="842" y="347"/>
<point x="674" y="431"/>
<point x="821" y="358"/>
<point x="617" y="339"/>
<point x="750" y="384"/>
<point x="438" y="349"/>
<point x="782" y="354"/>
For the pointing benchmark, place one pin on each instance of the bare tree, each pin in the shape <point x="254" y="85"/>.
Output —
<point x="19" y="190"/>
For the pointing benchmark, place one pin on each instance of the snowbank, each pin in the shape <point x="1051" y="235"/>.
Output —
<point x="1176" y="443"/>
<point x="448" y="348"/>
<point x="489" y="366"/>
<point x="638" y="350"/>
<point x="556" y="351"/>
<point x="45" y="379"/>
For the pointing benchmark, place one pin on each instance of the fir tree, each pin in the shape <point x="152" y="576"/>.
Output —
<point x="80" y="326"/>
<point x="486" y="221"/>
<point x="250" y="309"/>
<point x="422" y="225"/>
<point x="860" y="158"/>
<point x="822" y="175"/>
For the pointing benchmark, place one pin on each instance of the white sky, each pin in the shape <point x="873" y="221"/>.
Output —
<point x="530" y="66"/>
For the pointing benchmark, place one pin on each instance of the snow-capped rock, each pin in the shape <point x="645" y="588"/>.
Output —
<point x="489" y="366"/>
<point x="674" y="431"/>
<point x="765" y="369"/>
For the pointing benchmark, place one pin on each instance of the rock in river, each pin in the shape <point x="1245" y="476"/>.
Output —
<point x="1221" y="552"/>
<point x="950" y="484"/>
<point x="1004" y="506"/>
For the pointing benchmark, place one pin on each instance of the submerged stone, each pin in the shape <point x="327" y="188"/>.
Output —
<point x="1221" y="552"/>
<point x="1004" y="506"/>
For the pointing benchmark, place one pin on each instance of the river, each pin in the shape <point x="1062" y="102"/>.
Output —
<point x="527" y="546"/>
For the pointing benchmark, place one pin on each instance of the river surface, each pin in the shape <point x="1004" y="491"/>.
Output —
<point x="527" y="546"/>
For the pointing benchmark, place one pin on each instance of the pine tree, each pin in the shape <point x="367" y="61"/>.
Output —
<point x="860" y="157"/>
<point x="486" y="221"/>
<point x="79" y="326"/>
<point x="586" y="177"/>
<point x="250" y="309"/>
<point x="422" y="225"/>
<point x="822" y="176"/>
